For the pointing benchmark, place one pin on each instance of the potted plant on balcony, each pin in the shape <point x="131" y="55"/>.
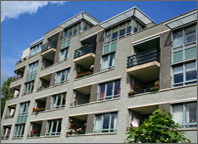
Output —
<point x="32" y="133"/>
<point x="132" y="93"/>
<point x="79" y="130"/>
<point x="156" y="87"/>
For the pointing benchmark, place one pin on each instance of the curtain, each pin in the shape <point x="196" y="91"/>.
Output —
<point x="105" y="62"/>
<point x="112" y="60"/>
<point x="191" y="116"/>
<point x="98" y="123"/>
<point x="117" y="87"/>
<point x="114" y="119"/>
<point x="102" y="91"/>
<point x="109" y="89"/>
<point x="178" y="113"/>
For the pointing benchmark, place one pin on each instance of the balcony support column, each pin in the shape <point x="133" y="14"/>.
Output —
<point x="90" y="123"/>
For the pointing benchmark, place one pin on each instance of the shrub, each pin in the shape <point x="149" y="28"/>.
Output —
<point x="155" y="88"/>
<point x="159" y="128"/>
<point x="132" y="93"/>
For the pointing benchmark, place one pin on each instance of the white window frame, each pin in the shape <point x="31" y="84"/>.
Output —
<point x="66" y="78"/>
<point x="184" y="124"/>
<point x="113" y="90"/>
<point x="54" y="101"/>
<point x="66" y="50"/>
<point x="102" y="119"/>
<point x="58" y="122"/>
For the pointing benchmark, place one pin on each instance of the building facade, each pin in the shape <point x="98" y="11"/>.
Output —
<point x="89" y="81"/>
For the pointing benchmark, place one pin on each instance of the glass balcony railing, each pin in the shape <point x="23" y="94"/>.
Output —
<point x="50" y="44"/>
<point x="84" y="50"/>
<point x="143" y="57"/>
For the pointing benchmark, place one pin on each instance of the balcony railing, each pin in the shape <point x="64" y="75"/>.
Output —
<point x="50" y="44"/>
<point x="84" y="50"/>
<point x="22" y="60"/>
<point x="143" y="57"/>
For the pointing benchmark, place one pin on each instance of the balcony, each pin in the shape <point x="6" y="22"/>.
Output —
<point x="22" y="60"/>
<point x="82" y="95"/>
<point x="44" y="82"/>
<point x="6" y="132"/>
<point x="16" y="91"/>
<point x="49" y="48"/>
<point x="77" y="125"/>
<point x="144" y="65"/>
<point x="10" y="111"/>
<point x="35" y="129"/>
<point x="85" y="56"/>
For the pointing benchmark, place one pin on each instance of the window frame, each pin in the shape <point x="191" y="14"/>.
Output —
<point x="55" y="99"/>
<point x="66" y="78"/>
<point x="184" y="115"/>
<point x="56" y="133"/>
<point x="109" y="130"/>
<point x="105" y="91"/>
<point x="65" y="54"/>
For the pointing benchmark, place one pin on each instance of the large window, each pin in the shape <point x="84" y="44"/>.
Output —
<point x="106" y="123"/>
<point x="184" y="74"/>
<point x="184" y="53"/>
<point x="109" y="90"/>
<point x="63" y="54"/>
<point x="28" y="87"/>
<point x="58" y="101"/>
<point x="21" y="120"/>
<point x="31" y="75"/>
<point x="35" y="50"/>
<point x="185" y="114"/>
<point x="62" y="76"/>
<point x="53" y="127"/>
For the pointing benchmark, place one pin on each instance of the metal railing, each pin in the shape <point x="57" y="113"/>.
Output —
<point x="22" y="60"/>
<point x="84" y="50"/>
<point x="49" y="45"/>
<point x="143" y="57"/>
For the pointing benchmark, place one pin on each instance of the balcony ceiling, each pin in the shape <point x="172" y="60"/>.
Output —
<point x="145" y="72"/>
<point x="86" y="60"/>
<point x="84" y="90"/>
<point x="154" y="43"/>
<point x="49" y="54"/>
<point x="146" y="110"/>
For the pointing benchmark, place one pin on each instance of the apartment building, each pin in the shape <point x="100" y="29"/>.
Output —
<point x="73" y="84"/>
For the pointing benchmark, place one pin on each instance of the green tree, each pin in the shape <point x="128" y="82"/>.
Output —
<point x="159" y="128"/>
<point x="6" y="92"/>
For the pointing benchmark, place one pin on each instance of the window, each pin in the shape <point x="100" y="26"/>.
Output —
<point x="19" y="130"/>
<point x="33" y="67"/>
<point x="122" y="30"/>
<point x="63" y="54"/>
<point x="21" y="120"/>
<point x="184" y="44"/>
<point x="185" y="114"/>
<point x="28" y="88"/>
<point x="35" y="50"/>
<point x="108" y="61"/>
<point x="58" y="101"/>
<point x="137" y="26"/>
<point x="53" y="127"/>
<point x="106" y="123"/>
<point x="23" y="112"/>
<point x="128" y="27"/>
<point x="184" y="74"/>
<point x="109" y="90"/>
<point x="62" y="76"/>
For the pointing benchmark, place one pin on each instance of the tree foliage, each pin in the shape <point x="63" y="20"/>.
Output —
<point x="6" y="92"/>
<point x="159" y="128"/>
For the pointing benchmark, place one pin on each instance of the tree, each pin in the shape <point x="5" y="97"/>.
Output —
<point x="159" y="128"/>
<point x="6" y="92"/>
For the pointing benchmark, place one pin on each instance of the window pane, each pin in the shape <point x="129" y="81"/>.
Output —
<point x="113" y="120"/>
<point x="113" y="46"/>
<point x="178" y="113"/>
<point x="105" y="62"/>
<point x="112" y="60"/>
<point x="109" y="89"/>
<point x="191" y="112"/>
<point x="178" y="78"/>
<point x="115" y="33"/>
<point x="191" y="75"/>
<point x="98" y="123"/>
<point x="190" y="53"/>
<point x="177" y="38"/>
<point x="106" y="121"/>
<point x="63" y="76"/>
<point x="177" y="56"/>
<point x="178" y="69"/>
<point x="190" y="35"/>
<point x="106" y="49"/>
<point x="108" y="36"/>
<point x="117" y="87"/>
<point x="102" y="90"/>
